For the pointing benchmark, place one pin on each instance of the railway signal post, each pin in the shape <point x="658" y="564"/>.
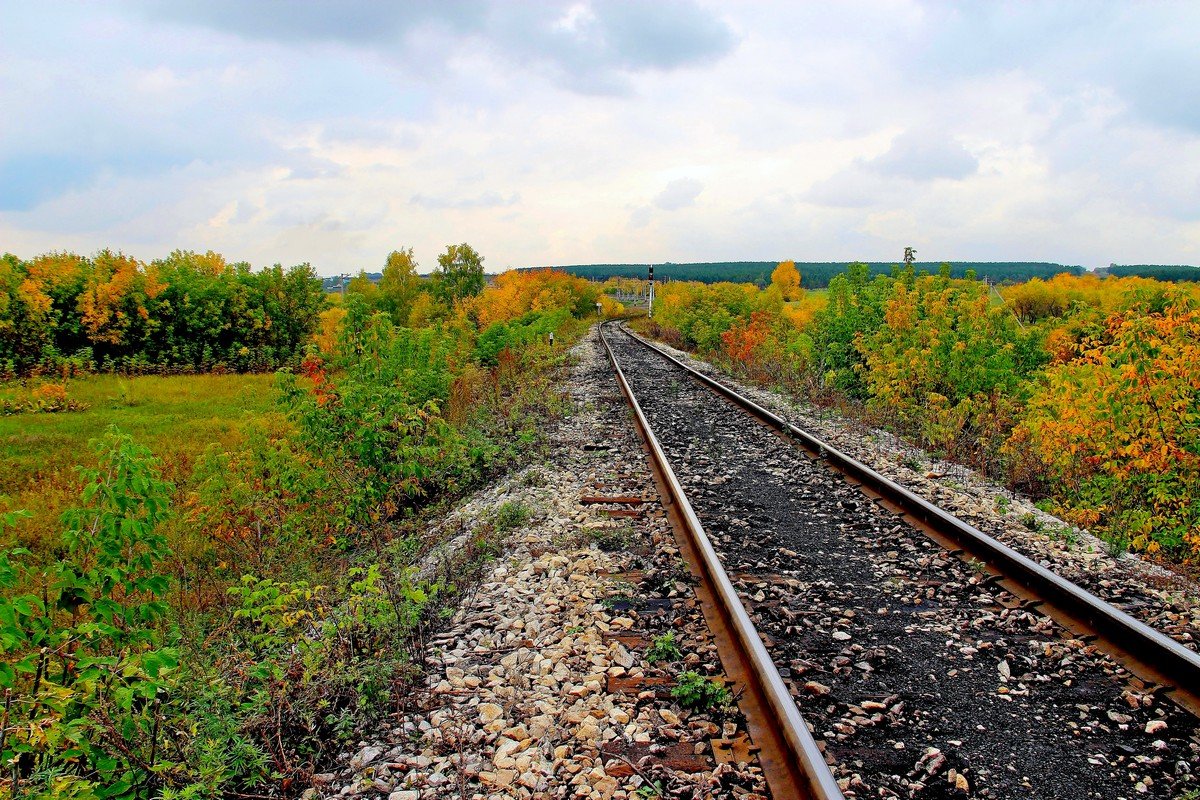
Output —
<point x="650" y="299"/>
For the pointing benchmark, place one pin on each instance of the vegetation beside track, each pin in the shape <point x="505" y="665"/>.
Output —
<point x="218" y="618"/>
<point x="1078" y="389"/>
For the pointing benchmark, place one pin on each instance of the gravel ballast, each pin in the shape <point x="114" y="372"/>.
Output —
<point x="920" y="679"/>
<point x="1163" y="599"/>
<point x="539" y="685"/>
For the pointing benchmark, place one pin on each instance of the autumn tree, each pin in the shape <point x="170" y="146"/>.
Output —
<point x="61" y="276"/>
<point x="425" y="309"/>
<point x="1117" y="430"/>
<point x="112" y="304"/>
<point x="26" y="314"/>
<point x="517" y="292"/>
<point x="459" y="273"/>
<point x="787" y="279"/>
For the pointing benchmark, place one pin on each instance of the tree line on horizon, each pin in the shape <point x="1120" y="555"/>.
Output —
<point x="195" y="312"/>
<point x="818" y="274"/>
<point x="1174" y="273"/>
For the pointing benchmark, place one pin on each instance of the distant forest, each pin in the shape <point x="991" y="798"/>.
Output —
<point x="1162" y="272"/>
<point x="815" y="274"/>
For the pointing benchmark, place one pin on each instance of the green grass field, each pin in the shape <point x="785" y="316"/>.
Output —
<point x="177" y="417"/>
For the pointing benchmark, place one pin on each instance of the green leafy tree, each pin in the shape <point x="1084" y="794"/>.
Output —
<point x="399" y="286"/>
<point x="279" y="311"/>
<point x="459" y="273"/>
<point x="195" y="309"/>
<point x="362" y="285"/>
<point x="855" y="309"/>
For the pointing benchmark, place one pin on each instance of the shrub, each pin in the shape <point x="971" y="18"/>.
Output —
<point x="43" y="398"/>
<point x="88" y="655"/>
<point x="612" y="540"/>
<point x="512" y="514"/>
<point x="1118" y="432"/>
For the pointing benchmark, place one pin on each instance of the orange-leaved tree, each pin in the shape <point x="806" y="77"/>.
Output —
<point x="517" y="292"/>
<point x="1118" y="429"/>
<point x="112" y="305"/>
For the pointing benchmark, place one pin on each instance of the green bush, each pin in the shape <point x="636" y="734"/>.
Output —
<point x="512" y="514"/>
<point x="693" y="690"/>
<point x="89" y="656"/>
<point x="663" y="649"/>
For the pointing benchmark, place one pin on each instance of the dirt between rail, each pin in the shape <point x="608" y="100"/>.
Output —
<point x="917" y="677"/>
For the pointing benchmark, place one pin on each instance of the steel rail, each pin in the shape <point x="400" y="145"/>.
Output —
<point x="1148" y="653"/>
<point x="791" y="760"/>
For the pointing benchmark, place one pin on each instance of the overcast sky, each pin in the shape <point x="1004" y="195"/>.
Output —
<point x="560" y="132"/>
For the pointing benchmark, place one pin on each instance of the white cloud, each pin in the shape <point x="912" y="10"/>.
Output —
<point x="573" y="132"/>
<point x="924" y="155"/>
<point x="679" y="193"/>
<point x="485" y="200"/>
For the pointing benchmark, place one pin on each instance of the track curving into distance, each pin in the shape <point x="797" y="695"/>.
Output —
<point x="920" y="674"/>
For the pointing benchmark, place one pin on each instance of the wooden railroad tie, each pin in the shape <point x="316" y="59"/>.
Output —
<point x="620" y="500"/>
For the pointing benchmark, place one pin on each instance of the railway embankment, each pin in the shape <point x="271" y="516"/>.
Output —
<point x="558" y="676"/>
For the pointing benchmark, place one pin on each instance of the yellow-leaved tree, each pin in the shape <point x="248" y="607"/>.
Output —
<point x="787" y="278"/>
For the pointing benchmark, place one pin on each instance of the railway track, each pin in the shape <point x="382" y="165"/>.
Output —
<point x="928" y="659"/>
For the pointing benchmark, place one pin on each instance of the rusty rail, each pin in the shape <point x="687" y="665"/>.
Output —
<point x="1157" y="659"/>
<point x="791" y="760"/>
